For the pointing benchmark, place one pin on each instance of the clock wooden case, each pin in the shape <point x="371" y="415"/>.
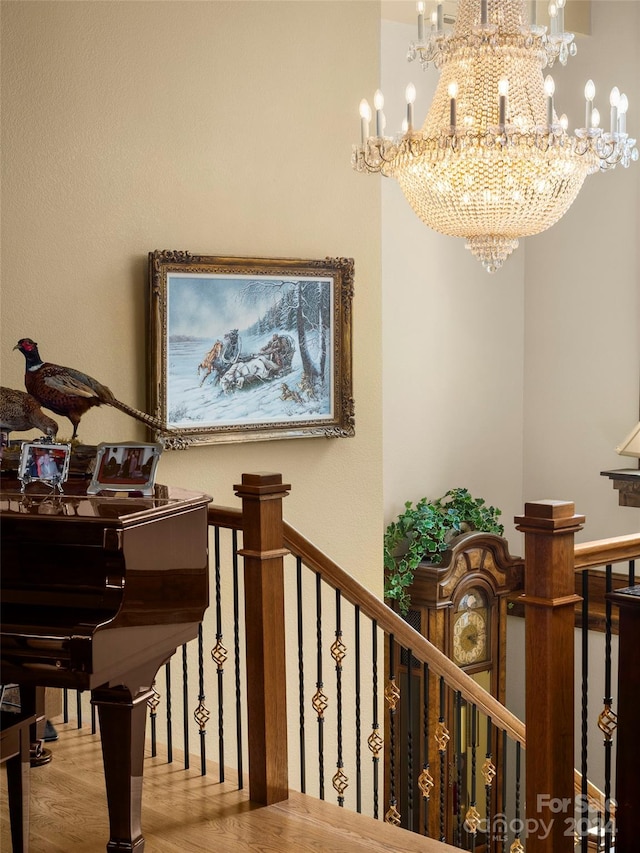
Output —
<point x="459" y="605"/>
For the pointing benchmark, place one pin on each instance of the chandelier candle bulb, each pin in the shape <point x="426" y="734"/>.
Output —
<point x="549" y="89"/>
<point x="410" y="95"/>
<point x="564" y="122"/>
<point x="589" y="93"/>
<point x="378" y="103"/>
<point x="420" y="21"/>
<point x="453" y="94"/>
<point x="622" y="114"/>
<point x="365" y="118"/>
<point x="595" y="118"/>
<point x="553" y="19"/>
<point x="614" y="101"/>
<point x="503" y="90"/>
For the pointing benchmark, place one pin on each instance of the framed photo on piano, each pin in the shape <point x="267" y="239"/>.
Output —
<point x="125" y="467"/>
<point x="45" y="462"/>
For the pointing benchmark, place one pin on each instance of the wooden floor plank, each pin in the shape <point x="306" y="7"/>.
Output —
<point x="184" y="812"/>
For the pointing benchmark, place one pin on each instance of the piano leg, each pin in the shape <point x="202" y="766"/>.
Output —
<point x="122" y="712"/>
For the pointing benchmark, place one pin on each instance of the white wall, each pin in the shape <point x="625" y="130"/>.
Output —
<point x="582" y="309"/>
<point x="217" y="127"/>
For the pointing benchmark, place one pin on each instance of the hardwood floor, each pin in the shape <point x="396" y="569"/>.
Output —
<point x="184" y="812"/>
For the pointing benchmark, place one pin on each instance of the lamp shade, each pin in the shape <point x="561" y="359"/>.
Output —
<point x="631" y="445"/>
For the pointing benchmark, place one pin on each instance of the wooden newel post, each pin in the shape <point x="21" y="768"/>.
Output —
<point x="550" y="599"/>
<point x="263" y="554"/>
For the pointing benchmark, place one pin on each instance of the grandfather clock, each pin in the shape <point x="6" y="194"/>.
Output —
<point x="459" y="605"/>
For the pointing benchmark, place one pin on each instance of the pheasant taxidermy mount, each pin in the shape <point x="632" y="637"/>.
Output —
<point x="20" y="412"/>
<point x="70" y="392"/>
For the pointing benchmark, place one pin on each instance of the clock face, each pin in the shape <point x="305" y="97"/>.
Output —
<point x="470" y="629"/>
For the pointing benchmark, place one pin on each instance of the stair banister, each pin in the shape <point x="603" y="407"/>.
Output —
<point x="549" y="528"/>
<point x="391" y="623"/>
<point x="263" y="554"/>
<point x="549" y="598"/>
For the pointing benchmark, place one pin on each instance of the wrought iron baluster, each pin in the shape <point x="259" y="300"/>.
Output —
<point x="503" y="834"/>
<point x="185" y="706"/>
<point x="488" y="774"/>
<point x="65" y="705"/>
<point x="236" y="656"/>
<point x="167" y="678"/>
<point x="410" y="724"/>
<point x="425" y="779"/>
<point x="472" y="818"/>
<point x="303" y="780"/>
<point x="219" y="655"/>
<point x="607" y="721"/>
<point x="517" y="847"/>
<point x="79" y="708"/>
<point x="202" y="713"/>
<point x="319" y="700"/>
<point x="442" y="739"/>
<point x="358" y="721"/>
<point x="152" y="703"/>
<point x="374" y="741"/>
<point x="632" y="572"/>
<point x="338" y="652"/>
<point x="392" y="695"/>
<point x="584" y="742"/>
<point x="457" y="805"/>
<point x="94" y="720"/>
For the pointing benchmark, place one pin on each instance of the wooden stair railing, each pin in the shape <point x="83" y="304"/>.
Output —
<point x="389" y="621"/>
<point x="549" y="529"/>
<point x="588" y="555"/>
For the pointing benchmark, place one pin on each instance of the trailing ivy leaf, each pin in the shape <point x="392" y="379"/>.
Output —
<point x="422" y="532"/>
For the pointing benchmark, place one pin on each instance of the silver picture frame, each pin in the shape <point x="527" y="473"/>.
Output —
<point x="44" y="462"/>
<point x="128" y="466"/>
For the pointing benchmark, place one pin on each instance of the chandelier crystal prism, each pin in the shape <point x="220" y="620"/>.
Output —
<point x="493" y="162"/>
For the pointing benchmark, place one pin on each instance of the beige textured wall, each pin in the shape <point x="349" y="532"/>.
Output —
<point x="217" y="127"/>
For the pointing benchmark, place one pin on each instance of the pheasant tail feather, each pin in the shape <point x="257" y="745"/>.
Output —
<point x="149" y="420"/>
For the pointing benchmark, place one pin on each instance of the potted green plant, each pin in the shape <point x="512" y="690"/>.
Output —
<point x="423" y="532"/>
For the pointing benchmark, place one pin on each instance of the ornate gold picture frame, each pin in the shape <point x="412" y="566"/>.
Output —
<point x="250" y="349"/>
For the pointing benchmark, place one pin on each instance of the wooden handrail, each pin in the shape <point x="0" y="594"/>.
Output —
<point x="588" y="555"/>
<point x="389" y="621"/>
<point x="225" y="516"/>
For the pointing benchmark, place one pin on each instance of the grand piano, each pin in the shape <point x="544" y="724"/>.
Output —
<point x="97" y="593"/>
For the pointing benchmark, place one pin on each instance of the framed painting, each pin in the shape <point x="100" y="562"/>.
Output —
<point x="250" y="349"/>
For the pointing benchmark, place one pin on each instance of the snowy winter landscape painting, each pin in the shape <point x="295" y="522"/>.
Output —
<point x="249" y="349"/>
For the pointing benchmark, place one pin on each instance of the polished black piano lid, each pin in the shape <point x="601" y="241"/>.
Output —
<point x="75" y="503"/>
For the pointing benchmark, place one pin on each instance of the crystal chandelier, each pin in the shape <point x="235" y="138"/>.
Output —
<point x="493" y="162"/>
